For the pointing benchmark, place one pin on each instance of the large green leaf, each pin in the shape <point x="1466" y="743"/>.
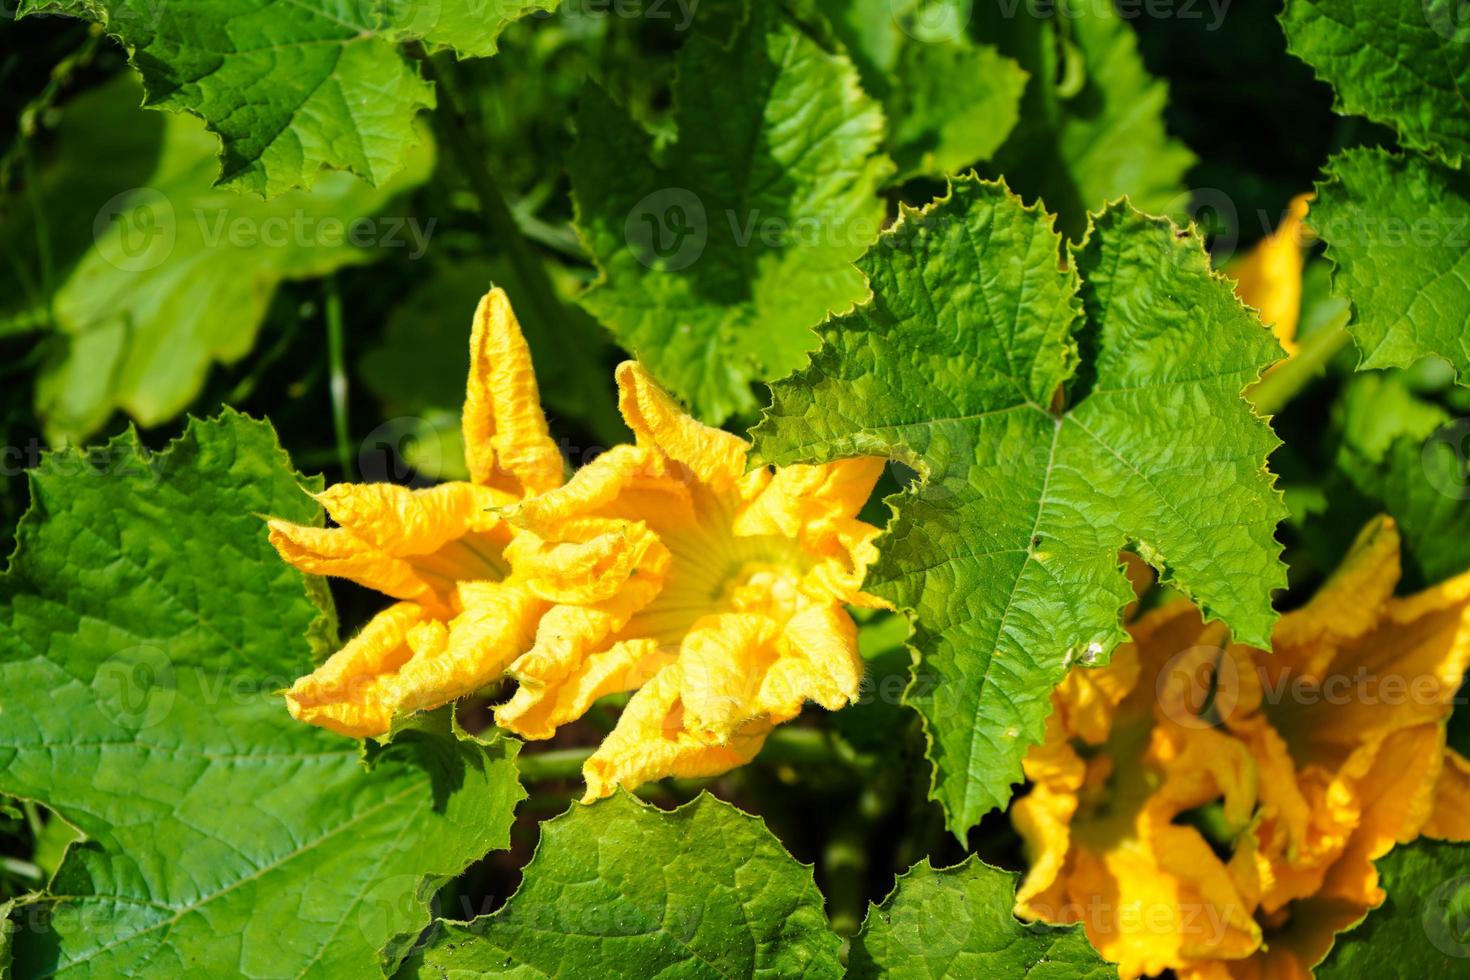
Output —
<point x="1092" y="119"/>
<point x="167" y="277"/>
<point x="949" y="101"/>
<point x="1007" y="548"/>
<point x="718" y="259"/>
<point x="1422" y="929"/>
<point x="625" y="890"/>
<point x="145" y="626"/>
<point x="1405" y="63"/>
<point x="1398" y="229"/>
<point x="957" y="922"/>
<point x="292" y="88"/>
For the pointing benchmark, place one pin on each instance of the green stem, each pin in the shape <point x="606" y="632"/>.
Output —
<point x="1283" y="382"/>
<point x="336" y="359"/>
<point x="538" y="294"/>
<point x="553" y="764"/>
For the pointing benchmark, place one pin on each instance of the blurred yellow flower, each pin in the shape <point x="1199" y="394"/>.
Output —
<point x="1216" y="810"/>
<point x="1269" y="278"/>
<point x="733" y="620"/>
<point x="466" y="579"/>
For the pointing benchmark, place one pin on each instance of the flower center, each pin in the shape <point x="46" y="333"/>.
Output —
<point x="719" y="573"/>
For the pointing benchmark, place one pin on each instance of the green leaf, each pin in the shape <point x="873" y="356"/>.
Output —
<point x="949" y="102"/>
<point x="1398" y="229"/>
<point x="1007" y="549"/>
<point x="1092" y="120"/>
<point x="1405" y="63"/>
<point x="1422" y="929"/>
<point x="957" y="922"/>
<point x="146" y="625"/>
<point x="622" y="889"/>
<point x="177" y="275"/>
<point x="293" y="88"/>
<point x="719" y="258"/>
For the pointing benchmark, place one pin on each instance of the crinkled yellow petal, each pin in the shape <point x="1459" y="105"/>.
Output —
<point x="475" y="650"/>
<point x="1398" y="797"/>
<point x="1043" y="818"/>
<point x="722" y="661"/>
<point x="800" y="499"/>
<point x="713" y="456"/>
<point x="507" y="443"/>
<point x="1086" y="702"/>
<point x="1270" y="277"/>
<point x="625" y="666"/>
<point x="404" y="522"/>
<point x="818" y="661"/>
<point x="350" y="692"/>
<point x="650" y="742"/>
<point x="1350" y="603"/>
<point x="591" y="562"/>
<point x="1450" y="818"/>
<point x="566" y="652"/>
<point x="338" y="552"/>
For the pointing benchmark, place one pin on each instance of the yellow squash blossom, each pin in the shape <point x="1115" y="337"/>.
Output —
<point x="735" y="617"/>
<point x="470" y="586"/>
<point x="1310" y="763"/>
<point x="1270" y="277"/>
<point x="664" y="567"/>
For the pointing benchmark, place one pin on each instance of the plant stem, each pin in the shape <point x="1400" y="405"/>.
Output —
<point x="796" y="746"/>
<point x="1282" y="383"/>
<point x="537" y="293"/>
<point x="336" y="359"/>
<point x="553" y="764"/>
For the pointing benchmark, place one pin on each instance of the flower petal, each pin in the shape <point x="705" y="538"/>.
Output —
<point x="507" y="443"/>
<point x="650" y="742"/>
<point x="351" y="693"/>
<point x="713" y="456"/>
<point x="1270" y="277"/>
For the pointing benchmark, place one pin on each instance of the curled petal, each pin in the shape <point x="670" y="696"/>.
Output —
<point x="507" y="443"/>
<point x="351" y="693"/>
<point x="712" y="456"/>
<point x="594" y="560"/>
<point x="819" y="662"/>
<point x="650" y="742"/>
<point x="540" y="711"/>
<point x="1347" y="606"/>
<point x="404" y="522"/>
<point x="338" y="552"/>
<point x="722" y="663"/>
<point x="475" y="648"/>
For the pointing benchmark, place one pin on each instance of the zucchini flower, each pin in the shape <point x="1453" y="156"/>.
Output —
<point x="470" y="587"/>
<point x="1214" y="809"/>
<point x="746" y="620"/>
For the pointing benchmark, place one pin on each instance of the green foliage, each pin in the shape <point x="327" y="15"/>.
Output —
<point x="159" y="281"/>
<point x="291" y="89"/>
<point x="1422" y="929"/>
<point x="1006" y="550"/>
<point x="957" y="922"/>
<point x="626" y="890"/>
<point x="146" y="627"/>
<point x="1092" y="119"/>
<point x="1398" y="228"/>
<point x="719" y="257"/>
<point x="948" y="101"/>
<point x="1405" y="63"/>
